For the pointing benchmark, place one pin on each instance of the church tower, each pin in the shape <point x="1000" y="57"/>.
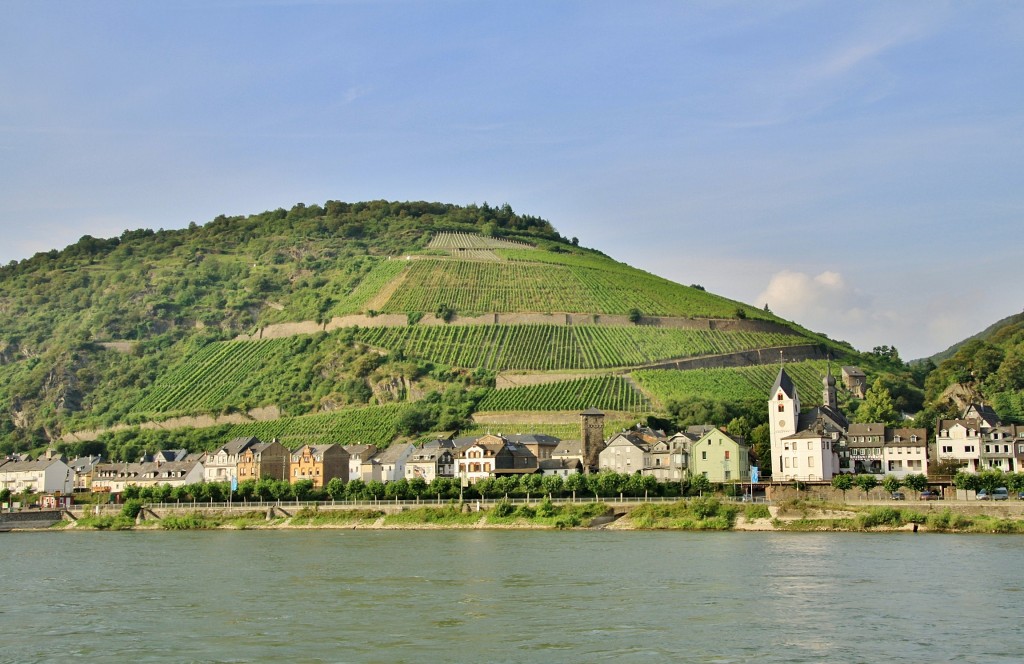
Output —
<point x="783" y="418"/>
<point x="828" y="396"/>
<point x="592" y="430"/>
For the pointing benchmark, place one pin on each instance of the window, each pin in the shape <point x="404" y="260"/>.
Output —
<point x="782" y="408"/>
<point x="947" y="449"/>
<point x="727" y="455"/>
<point x="810" y="462"/>
<point x="704" y="455"/>
<point x="728" y="475"/>
<point x="810" y="445"/>
<point x="968" y="448"/>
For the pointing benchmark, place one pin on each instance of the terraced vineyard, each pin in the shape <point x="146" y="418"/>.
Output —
<point x="475" y="287"/>
<point x="734" y="384"/>
<point x="218" y="374"/>
<point x="376" y="425"/>
<point x="549" y="347"/>
<point x="602" y="392"/>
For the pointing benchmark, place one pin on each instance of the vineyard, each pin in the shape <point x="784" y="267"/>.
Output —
<point x="550" y="347"/>
<point x="218" y="374"/>
<point x="376" y="425"/>
<point x="460" y="241"/>
<point x="381" y="275"/>
<point x="734" y="384"/>
<point x="603" y="392"/>
<point x="476" y="287"/>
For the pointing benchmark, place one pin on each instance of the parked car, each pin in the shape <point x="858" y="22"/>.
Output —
<point x="898" y="495"/>
<point x="1000" y="494"/>
<point x="1020" y="496"/>
<point x="929" y="495"/>
<point x="983" y="495"/>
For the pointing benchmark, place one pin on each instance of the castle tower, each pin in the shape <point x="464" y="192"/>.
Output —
<point x="783" y="418"/>
<point x="592" y="431"/>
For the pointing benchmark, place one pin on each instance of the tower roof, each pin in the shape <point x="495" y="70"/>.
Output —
<point x="785" y="383"/>
<point x="592" y="411"/>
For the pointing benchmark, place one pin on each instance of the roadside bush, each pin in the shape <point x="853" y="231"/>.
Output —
<point x="503" y="509"/>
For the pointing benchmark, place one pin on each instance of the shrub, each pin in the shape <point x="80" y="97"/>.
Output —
<point x="503" y="509"/>
<point x="131" y="508"/>
<point x="757" y="512"/>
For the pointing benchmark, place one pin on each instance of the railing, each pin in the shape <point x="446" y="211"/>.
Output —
<point x="427" y="502"/>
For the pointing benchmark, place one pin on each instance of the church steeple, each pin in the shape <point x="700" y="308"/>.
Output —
<point x="828" y="396"/>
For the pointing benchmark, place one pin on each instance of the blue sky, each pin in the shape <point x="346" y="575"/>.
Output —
<point x="859" y="166"/>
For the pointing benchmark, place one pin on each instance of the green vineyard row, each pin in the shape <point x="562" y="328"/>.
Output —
<point x="474" y="287"/>
<point x="374" y="425"/>
<point x="552" y="347"/>
<point x="734" y="384"/>
<point x="602" y="392"/>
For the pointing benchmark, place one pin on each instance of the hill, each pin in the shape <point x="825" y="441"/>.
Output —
<point x="980" y="336"/>
<point x="321" y="314"/>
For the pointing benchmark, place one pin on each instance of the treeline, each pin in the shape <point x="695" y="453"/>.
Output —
<point x="604" y="484"/>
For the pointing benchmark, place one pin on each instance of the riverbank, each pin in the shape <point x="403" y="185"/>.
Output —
<point x="695" y="514"/>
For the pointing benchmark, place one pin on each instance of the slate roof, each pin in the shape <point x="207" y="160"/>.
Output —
<point x="784" y="382"/>
<point x="238" y="445"/>
<point x="534" y="439"/>
<point x="394" y="453"/>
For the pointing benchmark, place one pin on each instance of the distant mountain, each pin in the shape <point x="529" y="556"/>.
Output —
<point x="983" y="335"/>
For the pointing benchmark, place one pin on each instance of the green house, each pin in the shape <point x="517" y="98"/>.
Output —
<point x="720" y="457"/>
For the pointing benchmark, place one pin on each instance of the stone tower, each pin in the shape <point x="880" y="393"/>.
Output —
<point x="592" y="442"/>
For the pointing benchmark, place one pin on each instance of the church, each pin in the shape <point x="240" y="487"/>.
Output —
<point x="805" y="446"/>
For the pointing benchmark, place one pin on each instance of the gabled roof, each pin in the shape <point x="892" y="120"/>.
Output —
<point x="569" y="448"/>
<point x="785" y="383"/>
<point x="534" y="439"/>
<point x="238" y="445"/>
<point x="395" y="452"/>
<point x="360" y="451"/>
<point x="834" y="421"/>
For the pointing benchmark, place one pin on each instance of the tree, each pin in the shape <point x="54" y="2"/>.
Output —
<point x="916" y="482"/>
<point x="866" y="482"/>
<point x="336" y="488"/>
<point x="302" y="489"/>
<point x="635" y="316"/>
<point x="891" y="483"/>
<point x="966" y="481"/>
<point x="700" y="485"/>
<point x="878" y="406"/>
<point x="842" y="482"/>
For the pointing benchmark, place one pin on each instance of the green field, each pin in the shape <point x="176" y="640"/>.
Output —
<point x="474" y="287"/>
<point x="554" y="347"/>
<point x="733" y="384"/>
<point x="602" y="392"/>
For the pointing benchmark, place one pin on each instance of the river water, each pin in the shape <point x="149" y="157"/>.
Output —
<point x="509" y="596"/>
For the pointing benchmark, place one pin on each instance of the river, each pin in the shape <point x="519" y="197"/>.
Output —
<point x="509" y="596"/>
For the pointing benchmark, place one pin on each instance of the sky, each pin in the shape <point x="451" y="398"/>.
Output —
<point x="858" y="167"/>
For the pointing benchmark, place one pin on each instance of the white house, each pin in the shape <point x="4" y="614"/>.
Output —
<point x="40" y="476"/>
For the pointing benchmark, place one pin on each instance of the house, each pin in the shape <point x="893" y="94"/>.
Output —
<point x="357" y="454"/>
<point x="221" y="465"/>
<point x="491" y="456"/>
<point x="263" y="460"/>
<point x="905" y="452"/>
<point x="865" y="444"/>
<point x="855" y="381"/>
<point x="83" y="468"/>
<point x="976" y="441"/>
<point x="720" y="457"/>
<point x="319" y="463"/>
<point x="114" y="477"/>
<point x="626" y="452"/>
<point x="40" y="476"/>
<point x="432" y="459"/>
<point x="561" y="467"/>
<point x="391" y="462"/>
<point x="540" y="445"/>
<point x="174" y="473"/>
